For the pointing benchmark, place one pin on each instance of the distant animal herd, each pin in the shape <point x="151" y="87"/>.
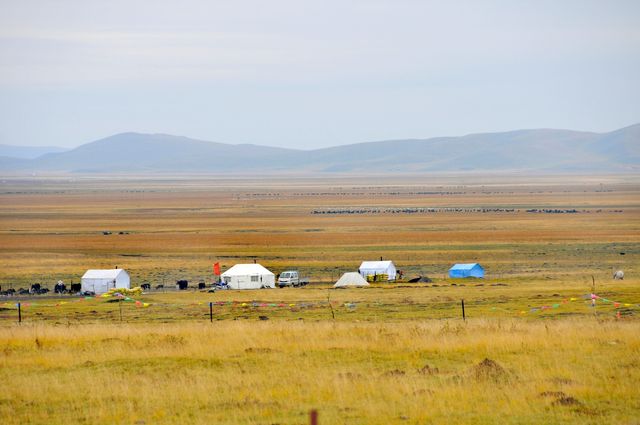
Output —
<point x="420" y="210"/>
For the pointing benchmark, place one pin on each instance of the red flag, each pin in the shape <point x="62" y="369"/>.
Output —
<point x="216" y="269"/>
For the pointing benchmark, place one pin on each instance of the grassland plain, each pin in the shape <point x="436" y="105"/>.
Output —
<point x="51" y="229"/>
<point x="386" y="354"/>
<point x="430" y="371"/>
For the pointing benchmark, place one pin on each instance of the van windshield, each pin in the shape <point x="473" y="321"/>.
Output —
<point x="285" y="275"/>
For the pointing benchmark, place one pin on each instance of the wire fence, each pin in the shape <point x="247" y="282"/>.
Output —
<point x="163" y="308"/>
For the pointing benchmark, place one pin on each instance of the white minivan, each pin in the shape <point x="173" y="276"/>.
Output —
<point x="288" y="278"/>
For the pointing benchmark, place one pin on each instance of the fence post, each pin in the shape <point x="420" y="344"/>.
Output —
<point x="19" y="313"/>
<point x="313" y="416"/>
<point x="330" y="306"/>
<point x="463" y="315"/>
<point x="211" y="312"/>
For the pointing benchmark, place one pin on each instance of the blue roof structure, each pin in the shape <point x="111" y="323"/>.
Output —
<point x="466" y="270"/>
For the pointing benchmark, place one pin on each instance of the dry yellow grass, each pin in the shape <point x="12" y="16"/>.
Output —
<point x="567" y="371"/>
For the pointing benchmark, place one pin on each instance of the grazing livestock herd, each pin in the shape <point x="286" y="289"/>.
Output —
<point x="38" y="289"/>
<point x="76" y="288"/>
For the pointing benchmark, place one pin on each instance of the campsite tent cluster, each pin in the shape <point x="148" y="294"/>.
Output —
<point x="369" y="271"/>
<point x="255" y="276"/>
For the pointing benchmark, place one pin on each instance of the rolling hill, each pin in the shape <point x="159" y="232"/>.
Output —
<point x="27" y="152"/>
<point x="541" y="150"/>
<point x="135" y="152"/>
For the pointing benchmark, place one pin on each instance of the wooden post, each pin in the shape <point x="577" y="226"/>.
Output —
<point x="313" y="416"/>
<point x="211" y="312"/>
<point x="120" y="305"/>
<point x="463" y="315"/>
<point x="330" y="306"/>
<point x="19" y="313"/>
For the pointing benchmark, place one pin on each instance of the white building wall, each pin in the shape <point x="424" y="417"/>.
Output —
<point x="389" y="271"/>
<point x="97" y="286"/>
<point x="123" y="280"/>
<point x="246" y="282"/>
<point x="102" y="285"/>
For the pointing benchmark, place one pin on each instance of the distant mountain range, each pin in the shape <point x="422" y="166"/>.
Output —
<point x="543" y="150"/>
<point x="27" y="152"/>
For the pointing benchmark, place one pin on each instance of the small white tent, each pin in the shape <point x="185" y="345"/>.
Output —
<point x="350" y="279"/>
<point x="376" y="268"/>
<point x="249" y="276"/>
<point x="100" y="281"/>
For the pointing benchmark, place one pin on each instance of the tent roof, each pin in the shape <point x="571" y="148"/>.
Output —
<point x="376" y="264"/>
<point x="465" y="266"/>
<point x="103" y="274"/>
<point x="351" y="279"/>
<point x="246" y="269"/>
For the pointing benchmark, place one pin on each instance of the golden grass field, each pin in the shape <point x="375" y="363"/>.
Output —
<point x="358" y="356"/>
<point x="569" y="371"/>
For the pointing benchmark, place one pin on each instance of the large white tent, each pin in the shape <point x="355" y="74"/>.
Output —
<point x="377" y="268"/>
<point x="249" y="276"/>
<point x="100" y="281"/>
<point x="350" y="279"/>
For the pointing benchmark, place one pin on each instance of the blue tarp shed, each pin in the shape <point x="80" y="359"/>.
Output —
<point x="466" y="270"/>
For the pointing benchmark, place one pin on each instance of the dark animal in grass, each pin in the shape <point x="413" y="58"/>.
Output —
<point x="146" y="286"/>
<point x="36" y="288"/>
<point x="201" y="285"/>
<point x="159" y="286"/>
<point x="75" y="288"/>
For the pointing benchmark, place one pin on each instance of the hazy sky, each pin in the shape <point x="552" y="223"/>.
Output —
<point x="314" y="73"/>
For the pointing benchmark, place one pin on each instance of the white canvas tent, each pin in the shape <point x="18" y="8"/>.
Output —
<point x="249" y="276"/>
<point x="350" y="279"/>
<point x="372" y="268"/>
<point x="100" y="281"/>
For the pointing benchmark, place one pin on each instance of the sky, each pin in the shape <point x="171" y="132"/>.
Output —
<point x="307" y="74"/>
